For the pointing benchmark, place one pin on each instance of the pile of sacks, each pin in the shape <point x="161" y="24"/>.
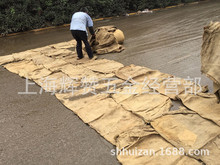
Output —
<point x="109" y="39"/>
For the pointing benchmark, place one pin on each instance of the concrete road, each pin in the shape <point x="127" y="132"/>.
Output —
<point x="38" y="129"/>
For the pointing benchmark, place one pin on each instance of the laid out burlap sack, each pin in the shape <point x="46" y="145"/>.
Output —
<point x="56" y="65"/>
<point x="103" y="66"/>
<point x="205" y="105"/>
<point x="37" y="74"/>
<point x="41" y="60"/>
<point x="32" y="69"/>
<point x="64" y="45"/>
<point x="148" y="106"/>
<point x="57" y="53"/>
<point x="6" y="59"/>
<point x="77" y="71"/>
<point x="165" y="84"/>
<point x="108" y="40"/>
<point x="26" y="55"/>
<point x="27" y="69"/>
<point x="143" y="145"/>
<point x="141" y="102"/>
<point x="15" y="57"/>
<point x="55" y="82"/>
<point x="37" y="63"/>
<point x="126" y="91"/>
<point x="210" y="152"/>
<point x="102" y="113"/>
<point x="113" y="123"/>
<point x="216" y="88"/>
<point x="90" y="76"/>
<point x="210" y="54"/>
<point x="60" y="50"/>
<point x="189" y="131"/>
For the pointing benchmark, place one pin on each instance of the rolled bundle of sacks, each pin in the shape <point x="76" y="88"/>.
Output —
<point x="108" y="39"/>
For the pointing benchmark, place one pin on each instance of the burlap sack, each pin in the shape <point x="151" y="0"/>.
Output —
<point x="205" y="105"/>
<point x="210" y="54"/>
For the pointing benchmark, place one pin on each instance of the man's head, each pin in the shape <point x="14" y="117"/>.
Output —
<point x="84" y="9"/>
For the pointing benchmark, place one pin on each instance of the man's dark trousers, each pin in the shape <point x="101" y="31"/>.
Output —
<point x="79" y="37"/>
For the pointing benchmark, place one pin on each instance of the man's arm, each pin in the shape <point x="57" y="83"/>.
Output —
<point x="91" y="30"/>
<point x="90" y="25"/>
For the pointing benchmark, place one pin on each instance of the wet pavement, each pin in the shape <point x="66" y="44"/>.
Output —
<point x="31" y="133"/>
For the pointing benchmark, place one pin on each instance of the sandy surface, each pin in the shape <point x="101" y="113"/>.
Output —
<point x="38" y="129"/>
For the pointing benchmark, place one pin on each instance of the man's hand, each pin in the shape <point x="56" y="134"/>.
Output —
<point x="93" y="37"/>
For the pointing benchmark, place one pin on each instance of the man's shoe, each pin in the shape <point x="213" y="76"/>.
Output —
<point x="79" y="58"/>
<point x="93" y="58"/>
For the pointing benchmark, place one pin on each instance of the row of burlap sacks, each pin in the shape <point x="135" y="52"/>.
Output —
<point x="130" y="120"/>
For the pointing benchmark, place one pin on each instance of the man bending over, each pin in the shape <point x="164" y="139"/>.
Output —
<point x="80" y="21"/>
